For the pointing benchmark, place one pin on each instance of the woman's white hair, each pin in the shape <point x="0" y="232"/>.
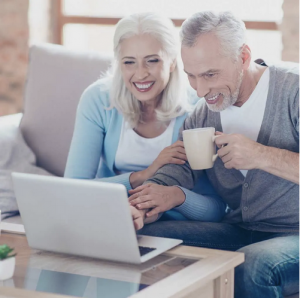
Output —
<point x="173" y="99"/>
<point x="229" y="29"/>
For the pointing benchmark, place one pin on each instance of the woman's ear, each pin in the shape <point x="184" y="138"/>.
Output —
<point x="173" y="65"/>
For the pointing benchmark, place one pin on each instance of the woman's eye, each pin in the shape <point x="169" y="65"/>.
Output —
<point x="153" y="60"/>
<point x="128" y="62"/>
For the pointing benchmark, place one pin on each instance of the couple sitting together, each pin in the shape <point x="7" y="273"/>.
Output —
<point x="129" y="130"/>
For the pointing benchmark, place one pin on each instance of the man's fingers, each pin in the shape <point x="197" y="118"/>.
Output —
<point x="226" y="158"/>
<point x="223" y="151"/>
<point x="146" y="205"/>
<point x="134" y="196"/>
<point x="133" y="191"/>
<point x="154" y="211"/>
<point x="228" y="165"/>
<point x="139" y="200"/>
<point x="144" y="192"/>
<point x="139" y="188"/>
<point x="222" y="140"/>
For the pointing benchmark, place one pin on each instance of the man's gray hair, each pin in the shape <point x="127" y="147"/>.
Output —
<point x="229" y="29"/>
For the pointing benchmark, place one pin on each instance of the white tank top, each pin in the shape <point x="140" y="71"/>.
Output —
<point x="247" y="119"/>
<point x="136" y="153"/>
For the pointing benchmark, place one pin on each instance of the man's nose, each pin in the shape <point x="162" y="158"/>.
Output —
<point x="202" y="87"/>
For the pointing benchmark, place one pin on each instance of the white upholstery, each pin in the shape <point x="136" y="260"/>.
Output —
<point x="56" y="79"/>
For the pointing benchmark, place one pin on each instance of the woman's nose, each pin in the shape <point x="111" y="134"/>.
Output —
<point x="141" y="72"/>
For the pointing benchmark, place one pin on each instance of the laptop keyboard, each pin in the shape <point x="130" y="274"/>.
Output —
<point x="144" y="250"/>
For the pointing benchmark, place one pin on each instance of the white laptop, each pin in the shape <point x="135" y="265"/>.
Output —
<point x="82" y="217"/>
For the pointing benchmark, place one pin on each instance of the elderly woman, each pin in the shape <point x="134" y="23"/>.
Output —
<point x="127" y="123"/>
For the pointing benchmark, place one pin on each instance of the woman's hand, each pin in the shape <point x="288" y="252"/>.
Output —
<point x="137" y="217"/>
<point x="160" y="198"/>
<point x="172" y="154"/>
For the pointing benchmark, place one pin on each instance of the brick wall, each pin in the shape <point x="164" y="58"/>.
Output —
<point x="290" y="30"/>
<point x="14" y="35"/>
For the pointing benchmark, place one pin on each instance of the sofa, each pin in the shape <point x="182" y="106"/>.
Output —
<point x="55" y="81"/>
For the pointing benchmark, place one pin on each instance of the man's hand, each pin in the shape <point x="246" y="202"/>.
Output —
<point x="160" y="198"/>
<point x="240" y="152"/>
<point x="137" y="217"/>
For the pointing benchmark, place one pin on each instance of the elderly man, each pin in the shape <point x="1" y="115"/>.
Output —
<point x="256" y="108"/>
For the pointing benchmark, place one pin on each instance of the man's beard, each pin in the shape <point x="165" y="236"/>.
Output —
<point x="228" y="100"/>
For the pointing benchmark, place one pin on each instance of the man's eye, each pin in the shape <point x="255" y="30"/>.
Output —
<point x="210" y="75"/>
<point x="128" y="62"/>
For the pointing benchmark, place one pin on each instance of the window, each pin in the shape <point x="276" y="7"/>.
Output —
<point x="89" y="24"/>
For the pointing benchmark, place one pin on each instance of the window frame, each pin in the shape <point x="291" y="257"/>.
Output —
<point x="60" y="20"/>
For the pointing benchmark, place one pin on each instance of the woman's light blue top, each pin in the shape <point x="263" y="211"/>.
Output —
<point x="93" y="151"/>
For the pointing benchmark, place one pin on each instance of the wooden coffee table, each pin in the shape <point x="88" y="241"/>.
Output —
<point x="181" y="272"/>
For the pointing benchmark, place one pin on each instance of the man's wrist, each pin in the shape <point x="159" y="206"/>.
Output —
<point x="265" y="159"/>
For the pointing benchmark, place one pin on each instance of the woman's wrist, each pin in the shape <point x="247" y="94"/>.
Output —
<point x="150" y="219"/>
<point x="150" y="171"/>
<point x="138" y="178"/>
<point x="146" y="218"/>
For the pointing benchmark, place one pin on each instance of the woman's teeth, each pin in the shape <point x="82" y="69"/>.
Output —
<point x="143" y="86"/>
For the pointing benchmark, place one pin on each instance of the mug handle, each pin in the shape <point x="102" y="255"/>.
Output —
<point x="215" y="157"/>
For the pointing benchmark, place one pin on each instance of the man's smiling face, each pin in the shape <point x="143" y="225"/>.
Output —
<point x="213" y="75"/>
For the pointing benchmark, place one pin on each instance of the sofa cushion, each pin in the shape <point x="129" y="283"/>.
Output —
<point x="55" y="81"/>
<point x="15" y="156"/>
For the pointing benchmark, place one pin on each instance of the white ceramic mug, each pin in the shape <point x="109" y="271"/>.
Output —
<point x="200" y="147"/>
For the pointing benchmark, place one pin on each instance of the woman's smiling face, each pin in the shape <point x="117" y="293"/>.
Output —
<point x="145" y="67"/>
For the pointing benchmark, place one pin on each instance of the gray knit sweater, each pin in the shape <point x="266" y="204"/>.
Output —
<point x="260" y="201"/>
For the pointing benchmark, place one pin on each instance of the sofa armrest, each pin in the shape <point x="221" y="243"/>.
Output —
<point x="13" y="119"/>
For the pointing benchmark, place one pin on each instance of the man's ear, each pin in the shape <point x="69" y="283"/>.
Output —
<point x="246" y="56"/>
<point x="173" y="65"/>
